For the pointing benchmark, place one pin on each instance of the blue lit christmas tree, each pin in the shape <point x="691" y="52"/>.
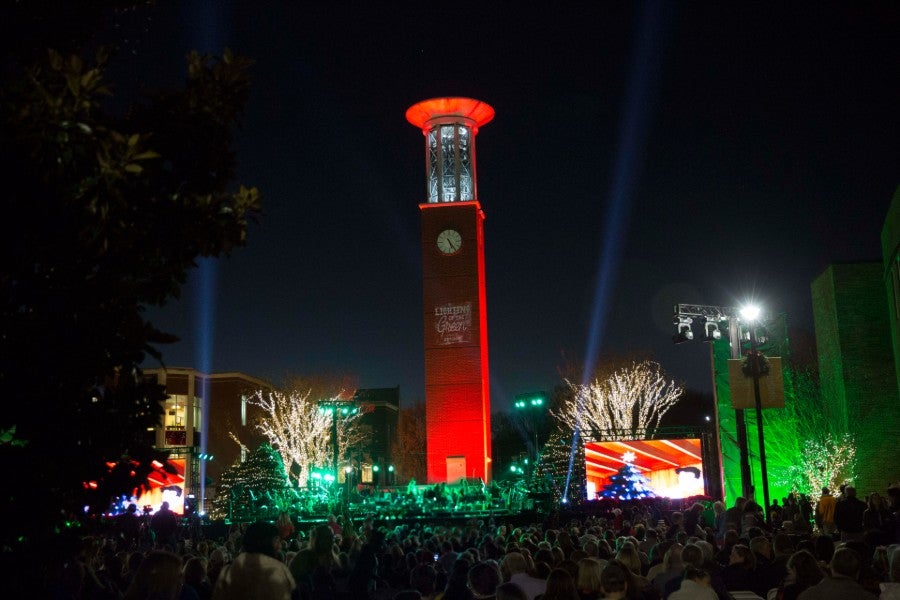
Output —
<point x="628" y="483"/>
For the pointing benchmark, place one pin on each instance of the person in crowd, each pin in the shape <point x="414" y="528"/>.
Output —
<point x="457" y="587"/>
<point x="720" y="522"/>
<point x="877" y="519"/>
<point x="195" y="577"/>
<point x="734" y="515"/>
<point x="363" y="580"/>
<point x="803" y="571"/>
<point x="423" y="578"/>
<point x="285" y="526"/>
<point x="738" y="574"/>
<point x="614" y="581"/>
<point x="824" y="549"/>
<point x="692" y="558"/>
<point x="483" y="579"/>
<point x="890" y="589"/>
<point x="776" y="515"/>
<point x="753" y="518"/>
<point x="314" y="567"/>
<point x="768" y="573"/>
<point x="129" y="524"/>
<point x="510" y="591"/>
<point x="848" y="515"/>
<point x="560" y="586"/>
<point x="696" y="585"/>
<point x="825" y="508"/>
<point x="588" y="580"/>
<point x="842" y="583"/>
<point x="515" y="569"/>
<point x="218" y="558"/>
<point x="692" y="519"/>
<point x="671" y="567"/>
<point x="256" y="572"/>
<point x="159" y="576"/>
<point x="629" y="557"/>
<point x="651" y="538"/>
<point x="164" y="524"/>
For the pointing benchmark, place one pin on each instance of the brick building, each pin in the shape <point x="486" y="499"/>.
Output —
<point x="210" y="406"/>
<point x="856" y="338"/>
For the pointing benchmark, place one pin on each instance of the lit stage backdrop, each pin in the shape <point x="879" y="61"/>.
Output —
<point x="669" y="468"/>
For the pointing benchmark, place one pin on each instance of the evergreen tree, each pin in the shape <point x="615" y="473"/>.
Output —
<point x="263" y="471"/>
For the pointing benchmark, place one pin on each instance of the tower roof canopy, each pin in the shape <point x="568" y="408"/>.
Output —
<point x="475" y="110"/>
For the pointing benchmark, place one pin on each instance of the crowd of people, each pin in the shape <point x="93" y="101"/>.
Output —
<point x="840" y="548"/>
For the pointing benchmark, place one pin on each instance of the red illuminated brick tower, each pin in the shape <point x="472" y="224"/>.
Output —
<point x="457" y="397"/>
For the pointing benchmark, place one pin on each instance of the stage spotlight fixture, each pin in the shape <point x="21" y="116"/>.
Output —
<point x="712" y="331"/>
<point x="683" y="328"/>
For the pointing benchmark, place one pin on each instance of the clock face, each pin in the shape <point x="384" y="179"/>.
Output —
<point x="449" y="241"/>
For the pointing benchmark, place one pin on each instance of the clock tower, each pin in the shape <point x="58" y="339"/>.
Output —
<point x="457" y="396"/>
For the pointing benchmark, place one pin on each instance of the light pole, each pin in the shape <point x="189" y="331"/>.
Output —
<point x="337" y="408"/>
<point x="751" y="314"/>
<point x="535" y="403"/>
<point x="711" y="316"/>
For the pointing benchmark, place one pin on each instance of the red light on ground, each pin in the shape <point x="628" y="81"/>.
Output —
<point x="421" y="113"/>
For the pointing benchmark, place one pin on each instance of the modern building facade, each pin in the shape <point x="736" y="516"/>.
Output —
<point x="457" y="396"/>
<point x="203" y="414"/>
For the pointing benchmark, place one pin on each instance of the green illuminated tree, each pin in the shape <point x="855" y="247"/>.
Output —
<point x="112" y="206"/>
<point x="807" y="441"/>
<point x="245" y="487"/>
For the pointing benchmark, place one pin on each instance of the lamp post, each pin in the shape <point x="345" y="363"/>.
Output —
<point x="751" y="314"/>
<point x="535" y="403"/>
<point x="337" y="408"/>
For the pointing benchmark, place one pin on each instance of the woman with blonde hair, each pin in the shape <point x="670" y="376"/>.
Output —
<point x="629" y="557"/>
<point x="588" y="580"/>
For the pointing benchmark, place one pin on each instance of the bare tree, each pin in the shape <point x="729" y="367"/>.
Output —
<point x="301" y="431"/>
<point x="408" y="447"/>
<point x="623" y="405"/>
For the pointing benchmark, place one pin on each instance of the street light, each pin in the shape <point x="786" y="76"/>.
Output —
<point x="535" y="402"/>
<point x="751" y="314"/>
<point x="337" y="407"/>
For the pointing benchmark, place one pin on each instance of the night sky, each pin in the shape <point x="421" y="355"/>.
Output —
<point x="641" y="155"/>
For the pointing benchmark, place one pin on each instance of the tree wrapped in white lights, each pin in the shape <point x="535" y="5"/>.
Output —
<point x="300" y="431"/>
<point x="825" y="462"/>
<point x="622" y="406"/>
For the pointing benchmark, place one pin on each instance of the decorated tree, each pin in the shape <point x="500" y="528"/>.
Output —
<point x="561" y="469"/>
<point x="245" y="487"/>
<point x="114" y="202"/>
<point x="300" y="430"/>
<point x="628" y="483"/>
<point x="825" y="461"/>
<point x="627" y="404"/>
